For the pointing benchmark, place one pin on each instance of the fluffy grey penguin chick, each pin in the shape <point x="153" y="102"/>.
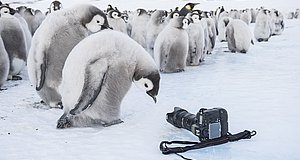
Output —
<point x="52" y="43"/>
<point x="13" y="37"/>
<point x="4" y="63"/>
<point x="154" y="27"/>
<point x="239" y="36"/>
<point x="93" y="94"/>
<point x="171" y="46"/>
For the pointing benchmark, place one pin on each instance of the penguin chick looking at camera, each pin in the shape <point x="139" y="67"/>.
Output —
<point x="93" y="94"/>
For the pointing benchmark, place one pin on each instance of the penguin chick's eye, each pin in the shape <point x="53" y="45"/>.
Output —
<point x="95" y="24"/>
<point x="4" y="10"/>
<point x="195" y="17"/>
<point x="175" y="15"/>
<point x="144" y="84"/>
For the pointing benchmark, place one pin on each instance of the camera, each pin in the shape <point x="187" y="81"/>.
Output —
<point x="207" y="124"/>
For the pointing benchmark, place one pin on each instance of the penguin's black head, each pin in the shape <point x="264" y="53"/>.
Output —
<point x="190" y="6"/>
<point x="141" y="11"/>
<point x="180" y="22"/>
<point x="114" y="13"/>
<point x="195" y="17"/>
<point x="149" y="83"/>
<point x="5" y="9"/>
<point x="174" y="14"/>
<point x="94" y="19"/>
<point x="125" y="17"/>
<point x="187" y="8"/>
<point x="109" y="8"/>
<point x="55" y="5"/>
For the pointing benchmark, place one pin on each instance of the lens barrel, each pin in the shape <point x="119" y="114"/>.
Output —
<point x="181" y="118"/>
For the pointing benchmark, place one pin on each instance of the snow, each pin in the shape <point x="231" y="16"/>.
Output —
<point x="260" y="91"/>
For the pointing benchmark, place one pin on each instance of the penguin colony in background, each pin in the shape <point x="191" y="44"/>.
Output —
<point x="135" y="46"/>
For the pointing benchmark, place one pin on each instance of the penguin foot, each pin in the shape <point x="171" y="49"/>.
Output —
<point x="179" y="70"/>
<point x="3" y="89"/>
<point x="118" y="121"/>
<point x="60" y="105"/>
<point x="243" y="51"/>
<point x="16" y="78"/>
<point x="63" y="122"/>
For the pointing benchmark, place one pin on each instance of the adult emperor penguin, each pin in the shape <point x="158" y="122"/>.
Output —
<point x="4" y="64"/>
<point x="171" y="46"/>
<point x="115" y="21"/>
<point x="52" y="43"/>
<point x="196" y="40"/>
<point x="155" y="26"/>
<point x="239" y="36"/>
<point x="93" y="94"/>
<point x="138" y="22"/>
<point x="262" y="29"/>
<point x="14" y="41"/>
<point x="187" y="8"/>
<point x="222" y="24"/>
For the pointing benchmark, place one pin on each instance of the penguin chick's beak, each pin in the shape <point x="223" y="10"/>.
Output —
<point x="153" y="96"/>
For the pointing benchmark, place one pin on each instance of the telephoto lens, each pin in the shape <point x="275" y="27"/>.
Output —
<point x="181" y="118"/>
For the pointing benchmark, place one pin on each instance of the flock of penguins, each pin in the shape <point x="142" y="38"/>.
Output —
<point x="84" y="59"/>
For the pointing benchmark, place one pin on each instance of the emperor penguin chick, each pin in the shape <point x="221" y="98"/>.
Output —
<point x="4" y="63"/>
<point x="115" y="21"/>
<point x="138" y="21"/>
<point x="14" y="40"/>
<point x="171" y="46"/>
<point x="93" y="94"/>
<point x="154" y="27"/>
<point x="52" y="43"/>
<point x="196" y="41"/>
<point x="262" y="29"/>
<point x="222" y="24"/>
<point x="239" y="36"/>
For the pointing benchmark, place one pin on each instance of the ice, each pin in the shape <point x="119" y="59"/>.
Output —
<point x="260" y="90"/>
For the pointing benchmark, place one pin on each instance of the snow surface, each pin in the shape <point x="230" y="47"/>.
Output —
<point x="260" y="90"/>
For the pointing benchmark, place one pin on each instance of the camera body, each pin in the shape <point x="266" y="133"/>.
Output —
<point x="206" y="124"/>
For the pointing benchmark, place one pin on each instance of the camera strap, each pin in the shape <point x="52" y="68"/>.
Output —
<point x="197" y="145"/>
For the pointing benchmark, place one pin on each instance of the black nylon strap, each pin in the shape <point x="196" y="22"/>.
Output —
<point x="197" y="145"/>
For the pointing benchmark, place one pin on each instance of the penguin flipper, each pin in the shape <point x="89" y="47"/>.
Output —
<point x="93" y="82"/>
<point x="41" y="81"/>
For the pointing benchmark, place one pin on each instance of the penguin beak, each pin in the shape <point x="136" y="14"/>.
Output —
<point x="152" y="95"/>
